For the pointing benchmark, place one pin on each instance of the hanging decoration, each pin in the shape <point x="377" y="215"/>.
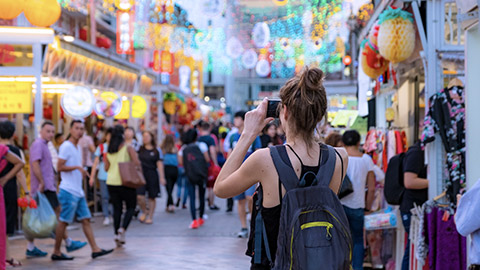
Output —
<point x="10" y="9"/>
<point x="372" y="63"/>
<point x="396" y="37"/>
<point x="234" y="48"/>
<point x="169" y="103"/>
<point x="212" y="8"/>
<point x="108" y="104"/>
<point x="42" y="13"/>
<point x="261" y="34"/>
<point x="280" y="2"/>
<point x="263" y="68"/>
<point x="249" y="59"/>
<point x="124" y="5"/>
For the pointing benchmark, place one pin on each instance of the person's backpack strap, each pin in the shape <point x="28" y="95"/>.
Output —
<point x="260" y="232"/>
<point x="341" y="160"/>
<point x="324" y="175"/>
<point x="285" y="172"/>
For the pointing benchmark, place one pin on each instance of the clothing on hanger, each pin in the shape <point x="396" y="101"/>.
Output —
<point x="447" y="249"/>
<point x="446" y="116"/>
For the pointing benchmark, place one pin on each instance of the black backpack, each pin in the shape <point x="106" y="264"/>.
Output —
<point x="196" y="167"/>
<point x="394" y="187"/>
<point x="314" y="231"/>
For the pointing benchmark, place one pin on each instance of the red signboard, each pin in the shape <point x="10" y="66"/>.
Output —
<point x="156" y="61"/>
<point x="125" y="21"/>
<point x="167" y="63"/>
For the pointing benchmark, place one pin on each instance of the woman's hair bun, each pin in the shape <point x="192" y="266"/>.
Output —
<point x="311" y="79"/>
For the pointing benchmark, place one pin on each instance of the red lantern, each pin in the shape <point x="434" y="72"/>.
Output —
<point x="103" y="42"/>
<point x="83" y="34"/>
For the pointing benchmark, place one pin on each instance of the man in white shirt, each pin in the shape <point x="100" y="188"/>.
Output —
<point x="71" y="196"/>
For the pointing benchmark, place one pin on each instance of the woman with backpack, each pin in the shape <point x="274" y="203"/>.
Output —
<point x="193" y="156"/>
<point x="361" y="173"/>
<point x="152" y="165"/>
<point x="296" y="201"/>
<point x="119" y="151"/>
<point x="170" y="162"/>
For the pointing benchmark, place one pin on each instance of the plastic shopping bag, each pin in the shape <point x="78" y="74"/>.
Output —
<point x="39" y="222"/>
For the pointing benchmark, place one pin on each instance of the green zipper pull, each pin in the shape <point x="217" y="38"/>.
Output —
<point x="329" y="235"/>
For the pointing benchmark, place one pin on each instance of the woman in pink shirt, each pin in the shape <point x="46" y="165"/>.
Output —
<point x="5" y="157"/>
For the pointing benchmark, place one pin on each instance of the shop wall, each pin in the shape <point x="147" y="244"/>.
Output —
<point x="405" y="110"/>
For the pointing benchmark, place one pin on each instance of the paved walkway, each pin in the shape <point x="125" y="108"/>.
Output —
<point x="167" y="244"/>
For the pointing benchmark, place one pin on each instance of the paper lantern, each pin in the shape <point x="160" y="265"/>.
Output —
<point x="42" y="13"/>
<point x="169" y="106"/>
<point x="249" y="59"/>
<point x="261" y="34"/>
<point x="183" y="109"/>
<point x="10" y="9"/>
<point x="263" y="68"/>
<point x="234" y="48"/>
<point x="396" y="37"/>
<point x="372" y="72"/>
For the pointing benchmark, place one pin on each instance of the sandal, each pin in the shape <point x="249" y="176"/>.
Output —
<point x="149" y="221"/>
<point x="14" y="263"/>
<point x="142" y="218"/>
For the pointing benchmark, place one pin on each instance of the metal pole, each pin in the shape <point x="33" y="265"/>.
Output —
<point x="38" y="112"/>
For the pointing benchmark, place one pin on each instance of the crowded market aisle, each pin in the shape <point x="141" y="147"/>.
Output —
<point x="166" y="244"/>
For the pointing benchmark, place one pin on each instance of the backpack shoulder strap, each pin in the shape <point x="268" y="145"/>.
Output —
<point x="325" y="173"/>
<point x="285" y="172"/>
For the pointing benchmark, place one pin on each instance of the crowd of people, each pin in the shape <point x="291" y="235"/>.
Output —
<point x="273" y="168"/>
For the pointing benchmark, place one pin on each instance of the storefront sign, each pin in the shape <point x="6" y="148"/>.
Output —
<point x="125" y="21"/>
<point x="125" y="111"/>
<point x="167" y="62"/>
<point x="78" y="102"/>
<point x="15" y="97"/>
<point x="156" y="61"/>
<point x="139" y="107"/>
<point x="184" y="74"/>
<point x="109" y="104"/>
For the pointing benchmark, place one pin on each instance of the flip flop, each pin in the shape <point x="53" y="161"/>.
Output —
<point x="14" y="263"/>
<point x="149" y="221"/>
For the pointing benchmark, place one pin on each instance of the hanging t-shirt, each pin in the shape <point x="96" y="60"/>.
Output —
<point x="357" y="171"/>
<point x="72" y="180"/>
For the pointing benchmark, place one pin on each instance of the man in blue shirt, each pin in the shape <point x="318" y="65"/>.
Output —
<point x="247" y="196"/>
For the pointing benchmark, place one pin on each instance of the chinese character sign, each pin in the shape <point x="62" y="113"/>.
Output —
<point x="125" y="32"/>
<point x="15" y="97"/>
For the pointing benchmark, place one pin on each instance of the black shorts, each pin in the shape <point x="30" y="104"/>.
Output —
<point x="152" y="186"/>
<point x="52" y="198"/>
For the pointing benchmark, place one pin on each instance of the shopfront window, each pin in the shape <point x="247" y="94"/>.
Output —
<point x="453" y="33"/>
<point x="16" y="55"/>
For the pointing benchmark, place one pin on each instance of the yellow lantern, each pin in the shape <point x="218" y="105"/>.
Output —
<point x="396" y="37"/>
<point x="10" y="9"/>
<point x="42" y="13"/>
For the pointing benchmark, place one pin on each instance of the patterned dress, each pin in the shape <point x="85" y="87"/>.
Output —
<point x="446" y="116"/>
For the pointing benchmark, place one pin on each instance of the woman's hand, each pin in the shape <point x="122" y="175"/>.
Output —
<point x="256" y="120"/>
<point x="163" y="182"/>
